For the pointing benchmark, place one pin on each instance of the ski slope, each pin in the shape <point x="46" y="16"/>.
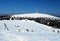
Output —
<point x="26" y="30"/>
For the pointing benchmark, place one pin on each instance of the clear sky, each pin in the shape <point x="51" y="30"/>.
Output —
<point x="26" y="6"/>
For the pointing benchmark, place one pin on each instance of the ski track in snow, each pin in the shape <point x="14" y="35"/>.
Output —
<point x="10" y="37"/>
<point x="40" y="32"/>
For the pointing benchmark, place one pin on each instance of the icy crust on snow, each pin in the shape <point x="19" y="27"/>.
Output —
<point x="17" y="31"/>
<point x="35" y="15"/>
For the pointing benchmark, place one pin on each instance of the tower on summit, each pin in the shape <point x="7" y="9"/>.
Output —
<point x="37" y="11"/>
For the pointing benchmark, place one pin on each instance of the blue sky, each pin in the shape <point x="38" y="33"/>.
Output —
<point x="26" y="6"/>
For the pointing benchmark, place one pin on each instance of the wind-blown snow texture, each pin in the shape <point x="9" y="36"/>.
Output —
<point x="26" y="30"/>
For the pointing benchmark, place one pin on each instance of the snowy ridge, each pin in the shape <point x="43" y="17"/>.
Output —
<point x="18" y="31"/>
<point x="28" y="30"/>
<point x="35" y="15"/>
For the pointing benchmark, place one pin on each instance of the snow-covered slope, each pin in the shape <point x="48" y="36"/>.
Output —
<point x="26" y="30"/>
<point x="35" y="15"/>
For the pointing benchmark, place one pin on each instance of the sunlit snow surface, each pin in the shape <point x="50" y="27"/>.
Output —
<point x="35" y="15"/>
<point x="17" y="31"/>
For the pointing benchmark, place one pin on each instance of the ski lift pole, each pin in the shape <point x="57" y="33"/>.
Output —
<point x="6" y="26"/>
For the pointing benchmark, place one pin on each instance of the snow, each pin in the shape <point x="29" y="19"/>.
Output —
<point x="17" y="31"/>
<point x="10" y="37"/>
<point x="35" y="15"/>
